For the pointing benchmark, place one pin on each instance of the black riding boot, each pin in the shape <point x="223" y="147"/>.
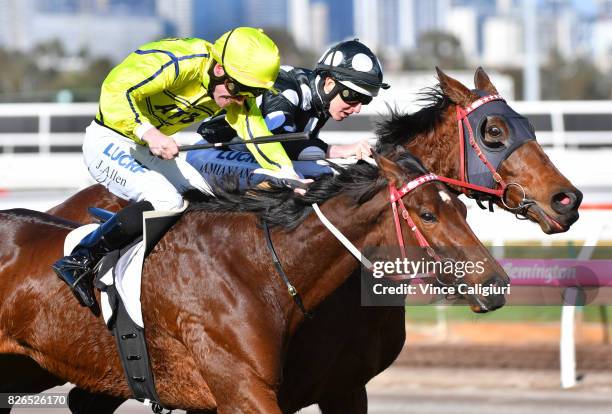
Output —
<point x="77" y="270"/>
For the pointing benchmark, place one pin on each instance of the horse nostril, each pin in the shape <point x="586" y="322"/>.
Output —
<point x="566" y="201"/>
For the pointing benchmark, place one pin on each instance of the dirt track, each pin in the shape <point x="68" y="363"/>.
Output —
<point x="539" y="357"/>
<point x="482" y="368"/>
<point x="426" y="390"/>
<point x="503" y="345"/>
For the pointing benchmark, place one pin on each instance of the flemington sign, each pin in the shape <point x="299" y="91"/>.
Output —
<point x="559" y="272"/>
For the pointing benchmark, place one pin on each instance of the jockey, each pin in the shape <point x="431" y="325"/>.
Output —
<point x="160" y="89"/>
<point x="347" y="76"/>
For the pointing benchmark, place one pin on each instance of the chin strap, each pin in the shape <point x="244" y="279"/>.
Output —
<point x="213" y="79"/>
<point x="326" y="98"/>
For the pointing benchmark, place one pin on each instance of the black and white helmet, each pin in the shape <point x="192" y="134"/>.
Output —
<point x="354" y="65"/>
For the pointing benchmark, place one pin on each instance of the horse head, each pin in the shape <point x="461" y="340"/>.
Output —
<point x="552" y="200"/>
<point x="474" y="136"/>
<point x="435" y="220"/>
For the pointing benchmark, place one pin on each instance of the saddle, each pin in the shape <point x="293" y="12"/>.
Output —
<point x="118" y="278"/>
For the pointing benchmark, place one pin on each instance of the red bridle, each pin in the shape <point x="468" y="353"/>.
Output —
<point x="462" y="114"/>
<point x="395" y="197"/>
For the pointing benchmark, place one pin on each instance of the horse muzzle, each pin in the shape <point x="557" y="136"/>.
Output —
<point x="555" y="215"/>
<point x="563" y="211"/>
<point x="487" y="296"/>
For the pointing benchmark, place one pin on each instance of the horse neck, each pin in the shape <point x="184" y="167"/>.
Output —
<point x="438" y="149"/>
<point x="320" y="264"/>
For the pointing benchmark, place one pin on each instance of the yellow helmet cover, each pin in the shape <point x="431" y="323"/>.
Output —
<point x="249" y="56"/>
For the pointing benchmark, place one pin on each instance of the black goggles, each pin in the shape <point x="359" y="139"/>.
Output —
<point x="352" y="97"/>
<point x="235" y="88"/>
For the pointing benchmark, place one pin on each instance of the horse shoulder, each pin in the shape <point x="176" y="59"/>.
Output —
<point x="203" y="314"/>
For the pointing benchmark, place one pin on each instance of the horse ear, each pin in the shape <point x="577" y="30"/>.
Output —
<point x="390" y="170"/>
<point x="455" y="90"/>
<point x="482" y="82"/>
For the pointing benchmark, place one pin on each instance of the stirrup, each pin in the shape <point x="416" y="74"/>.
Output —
<point x="80" y="289"/>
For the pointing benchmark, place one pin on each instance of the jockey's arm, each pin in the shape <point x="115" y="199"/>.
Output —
<point x="279" y="120"/>
<point x="128" y="84"/>
<point x="249" y="124"/>
<point x="280" y="117"/>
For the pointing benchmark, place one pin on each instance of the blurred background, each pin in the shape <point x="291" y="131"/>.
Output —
<point x="551" y="59"/>
<point x="60" y="50"/>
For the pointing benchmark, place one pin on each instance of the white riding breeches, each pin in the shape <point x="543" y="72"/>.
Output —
<point x="131" y="172"/>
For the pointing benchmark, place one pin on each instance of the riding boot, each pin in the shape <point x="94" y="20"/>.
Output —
<point x="77" y="270"/>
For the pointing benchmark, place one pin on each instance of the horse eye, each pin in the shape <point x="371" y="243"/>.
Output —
<point x="428" y="217"/>
<point x="493" y="137"/>
<point x="494" y="131"/>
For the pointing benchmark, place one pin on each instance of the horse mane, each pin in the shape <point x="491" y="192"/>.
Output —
<point x="279" y="206"/>
<point x="401" y="128"/>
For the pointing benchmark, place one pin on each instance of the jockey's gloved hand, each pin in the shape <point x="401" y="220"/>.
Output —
<point x="287" y="177"/>
<point x="299" y="186"/>
<point x="360" y="150"/>
<point x="295" y="184"/>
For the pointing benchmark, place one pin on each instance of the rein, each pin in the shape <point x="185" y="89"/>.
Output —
<point x="279" y="269"/>
<point x="395" y="197"/>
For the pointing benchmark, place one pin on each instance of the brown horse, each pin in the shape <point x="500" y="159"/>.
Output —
<point x="332" y="357"/>
<point x="218" y="320"/>
<point x="364" y="341"/>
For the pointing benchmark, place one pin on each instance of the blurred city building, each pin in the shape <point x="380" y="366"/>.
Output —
<point x="99" y="28"/>
<point x="178" y="17"/>
<point x="407" y="34"/>
<point x="490" y="32"/>
<point x="602" y="35"/>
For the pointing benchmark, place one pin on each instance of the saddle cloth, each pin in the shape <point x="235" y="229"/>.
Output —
<point x="126" y="277"/>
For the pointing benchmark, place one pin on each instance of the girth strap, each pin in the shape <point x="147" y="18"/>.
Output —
<point x="134" y="357"/>
<point x="279" y="269"/>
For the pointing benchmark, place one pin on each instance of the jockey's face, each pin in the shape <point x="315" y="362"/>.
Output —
<point x="338" y="109"/>
<point x="221" y="95"/>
